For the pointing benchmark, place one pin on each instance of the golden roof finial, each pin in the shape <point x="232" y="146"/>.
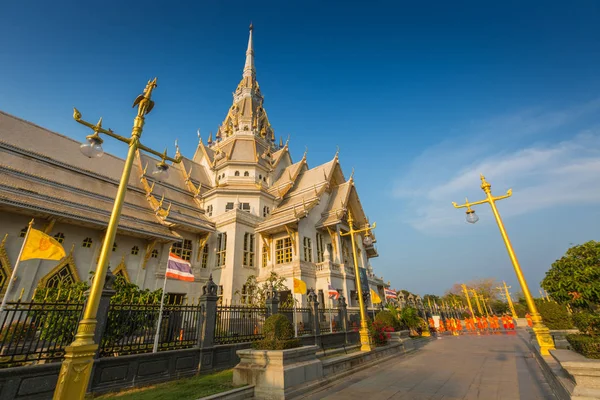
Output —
<point x="337" y="152"/>
<point x="280" y="141"/>
<point x="199" y="136"/>
<point x="351" y="175"/>
<point x="485" y="185"/>
<point x="304" y="155"/>
<point x="210" y="139"/>
<point x="177" y="152"/>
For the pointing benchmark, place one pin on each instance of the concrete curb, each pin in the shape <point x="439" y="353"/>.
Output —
<point x="246" y="392"/>
<point x="550" y="369"/>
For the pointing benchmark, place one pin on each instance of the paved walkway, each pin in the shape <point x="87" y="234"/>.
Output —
<point x="465" y="367"/>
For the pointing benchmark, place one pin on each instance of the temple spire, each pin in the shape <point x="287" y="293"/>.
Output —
<point x="249" y="66"/>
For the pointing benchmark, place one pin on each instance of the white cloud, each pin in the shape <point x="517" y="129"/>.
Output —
<point x="541" y="175"/>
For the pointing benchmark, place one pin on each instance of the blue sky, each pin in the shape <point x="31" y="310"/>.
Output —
<point x="420" y="99"/>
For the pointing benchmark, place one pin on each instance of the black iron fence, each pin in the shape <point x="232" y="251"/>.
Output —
<point x="33" y="332"/>
<point x="131" y="328"/>
<point x="239" y="323"/>
<point x="301" y="317"/>
<point x="39" y="330"/>
<point x="329" y="320"/>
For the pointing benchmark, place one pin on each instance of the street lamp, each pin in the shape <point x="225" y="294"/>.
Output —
<point x="365" y="338"/>
<point x="541" y="331"/>
<point x="79" y="356"/>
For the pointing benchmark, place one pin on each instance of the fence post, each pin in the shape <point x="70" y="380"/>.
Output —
<point x="103" y="307"/>
<point x="313" y="304"/>
<point x="343" y="313"/>
<point x="272" y="301"/>
<point x="208" y="304"/>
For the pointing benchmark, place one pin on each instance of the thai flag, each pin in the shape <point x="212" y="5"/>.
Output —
<point x="178" y="268"/>
<point x="390" y="294"/>
<point x="333" y="294"/>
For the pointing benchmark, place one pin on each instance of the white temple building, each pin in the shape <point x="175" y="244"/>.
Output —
<point x="240" y="206"/>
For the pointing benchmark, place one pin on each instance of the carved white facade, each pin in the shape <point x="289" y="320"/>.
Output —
<point x="239" y="207"/>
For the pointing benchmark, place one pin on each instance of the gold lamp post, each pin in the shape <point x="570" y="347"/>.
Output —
<point x="466" y="291"/>
<point x="79" y="356"/>
<point x="365" y="338"/>
<point x="476" y="296"/>
<point x="508" y="299"/>
<point x="541" y="331"/>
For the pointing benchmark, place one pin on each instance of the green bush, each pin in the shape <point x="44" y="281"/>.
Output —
<point x="18" y="331"/>
<point x="279" y="334"/>
<point x="521" y="310"/>
<point x="387" y="319"/>
<point x="410" y="317"/>
<point x="554" y="315"/>
<point x="587" y="322"/>
<point x="276" y="344"/>
<point x="380" y="332"/>
<point x="589" y="346"/>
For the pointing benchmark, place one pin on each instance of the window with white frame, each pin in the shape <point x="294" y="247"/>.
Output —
<point x="209" y="210"/>
<point x="246" y="294"/>
<point x="220" y="295"/>
<point x="228" y="207"/>
<point x="248" y="260"/>
<point x="307" y="249"/>
<point x="283" y="250"/>
<point x="204" y="260"/>
<point x="183" y="250"/>
<point x="244" y="207"/>
<point x="265" y="255"/>
<point x="266" y="211"/>
<point x="221" y="249"/>
<point x="320" y="248"/>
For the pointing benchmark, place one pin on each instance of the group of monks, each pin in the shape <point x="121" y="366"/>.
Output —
<point x="473" y="324"/>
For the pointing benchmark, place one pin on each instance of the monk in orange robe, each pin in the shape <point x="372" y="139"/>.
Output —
<point x="441" y="327"/>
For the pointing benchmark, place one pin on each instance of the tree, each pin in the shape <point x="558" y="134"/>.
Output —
<point x="257" y="292"/>
<point x="575" y="278"/>
<point x="431" y="298"/>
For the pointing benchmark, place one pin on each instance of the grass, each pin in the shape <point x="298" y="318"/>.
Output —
<point x="182" y="389"/>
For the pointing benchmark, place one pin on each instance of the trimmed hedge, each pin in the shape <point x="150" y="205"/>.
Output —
<point x="387" y="319"/>
<point x="587" y="322"/>
<point x="587" y="345"/>
<point x="279" y="334"/>
<point x="554" y="315"/>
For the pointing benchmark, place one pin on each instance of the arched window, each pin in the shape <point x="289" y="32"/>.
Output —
<point x="64" y="273"/>
<point x="154" y="253"/>
<point x="60" y="237"/>
<point x="246" y="173"/>
<point x="23" y="232"/>
<point x="259" y="177"/>
<point x="115" y="246"/>
<point x="135" y="250"/>
<point x="266" y="211"/>
<point x="61" y="277"/>
<point x="237" y="173"/>
<point x="87" y="243"/>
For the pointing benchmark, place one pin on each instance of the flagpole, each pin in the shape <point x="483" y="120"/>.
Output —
<point x="14" y="272"/>
<point x="295" y="317"/>
<point x="330" y="320"/>
<point x="160" y="313"/>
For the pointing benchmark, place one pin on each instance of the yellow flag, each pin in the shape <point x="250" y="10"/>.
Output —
<point x="299" y="286"/>
<point x="40" y="245"/>
<point x="375" y="297"/>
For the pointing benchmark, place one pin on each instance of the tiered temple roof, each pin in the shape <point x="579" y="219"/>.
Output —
<point x="43" y="171"/>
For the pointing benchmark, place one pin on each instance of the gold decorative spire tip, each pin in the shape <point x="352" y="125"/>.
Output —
<point x="251" y="27"/>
